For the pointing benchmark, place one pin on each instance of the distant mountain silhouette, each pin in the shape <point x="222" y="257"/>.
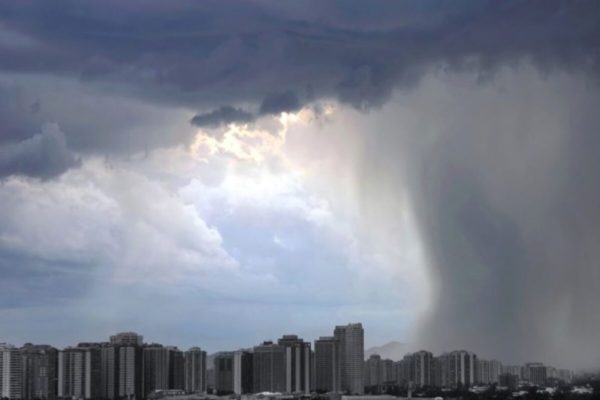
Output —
<point x="393" y="350"/>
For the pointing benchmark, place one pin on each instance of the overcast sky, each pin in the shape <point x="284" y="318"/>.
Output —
<point x="220" y="173"/>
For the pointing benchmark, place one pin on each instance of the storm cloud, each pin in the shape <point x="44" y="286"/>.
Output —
<point x="44" y="155"/>
<point x="222" y="116"/>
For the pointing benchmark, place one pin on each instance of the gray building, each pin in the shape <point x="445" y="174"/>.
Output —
<point x="176" y="369"/>
<point x="460" y="369"/>
<point x="352" y="353"/>
<point x="11" y="372"/>
<point x="223" y="367"/>
<point x="127" y="339"/>
<point x="538" y="373"/>
<point x="242" y="372"/>
<point x="402" y="370"/>
<point x="40" y="363"/>
<point x="327" y="365"/>
<point x="130" y="372"/>
<point x="157" y="362"/>
<point x="195" y="370"/>
<point x="421" y="368"/>
<point x="297" y="364"/>
<point x="79" y="373"/>
<point x="109" y="372"/>
<point x="488" y="371"/>
<point x="373" y="371"/>
<point x="268" y="372"/>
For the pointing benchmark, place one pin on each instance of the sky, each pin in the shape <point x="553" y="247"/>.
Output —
<point x="217" y="174"/>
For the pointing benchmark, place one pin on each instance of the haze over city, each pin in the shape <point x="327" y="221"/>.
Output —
<point x="221" y="173"/>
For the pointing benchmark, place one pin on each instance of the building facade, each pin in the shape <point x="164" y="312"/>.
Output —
<point x="40" y="363"/>
<point x="195" y="370"/>
<point x="242" y="372"/>
<point x="421" y="368"/>
<point x="352" y="354"/>
<point x="127" y="339"/>
<point x="157" y="364"/>
<point x="455" y="369"/>
<point x="11" y="372"/>
<point x="223" y="367"/>
<point x="130" y="372"/>
<point x="268" y="371"/>
<point x="79" y="373"/>
<point x="488" y="371"/>
<point x="327" y="365"/>
<point x="297" y="364"/>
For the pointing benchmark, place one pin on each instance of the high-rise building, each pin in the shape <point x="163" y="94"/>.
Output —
<point x="377" y="372"/>
<point x="157" y="361"/>
<point x="242" y="372"/>
<point x="127" y="339"/>
<point x="373" y="371"/>
<point x="79" y="373"/>
<point x="387" y="371"/>
<point x="421" y="367"/>
<point x="327" y="364"/>
<point x="195" y="370"/>
<point x="176" y="369"/>
<point x="488" y="371"/>
<point x="269" y="372"/>
<point x="223" y="367"/>
<point x="109" y="372"/>
<point x="130" y="372"/>
<point x="538" y="374"/>
<point x="460" y="368"/>
<point x="403" y="370"/>
<point x="11" y="372"/>
<point x="297" y="364"/>
<point x="438" y="371"/>
<point x="40" y="363"/>
<point x="352" y="353"/>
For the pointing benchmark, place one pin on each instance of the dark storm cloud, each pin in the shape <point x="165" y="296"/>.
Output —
<point x="202" y="53"/>
<point x="280" y="102"/>
<point x="44" y="155"/>
<point x="262" y="55"/>
<point x="273" y="104"/>
<point x="222" y="116"/>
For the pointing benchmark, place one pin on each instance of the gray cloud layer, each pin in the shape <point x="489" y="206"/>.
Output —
<point x="202" y="53"/>
<point x="44" y="155"/>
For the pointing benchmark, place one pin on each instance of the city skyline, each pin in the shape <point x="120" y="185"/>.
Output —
<point x="126" y="366"/>
<point x="272" y="339"/>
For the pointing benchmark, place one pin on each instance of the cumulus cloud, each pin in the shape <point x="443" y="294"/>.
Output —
<point x="44" y="155"/>
<point x="108" y="220"/>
